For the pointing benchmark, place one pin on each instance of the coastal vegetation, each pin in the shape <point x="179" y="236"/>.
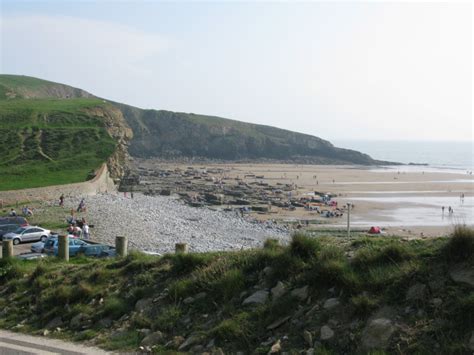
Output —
<point x="50" y="142"/>
<point x="321" y="293"/>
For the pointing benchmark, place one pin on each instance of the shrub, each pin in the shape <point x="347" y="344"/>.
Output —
<point x="185" y="263"/>
<point x="115" y="307"/>
<point x="304" y="246"/>
<point x="363" y="304"/>
<point x="393" y="253"/>
<point x="236" y="329"/>
<point x="460" y="246"/>
<point x="168" y="318"/>
<point x="271" y="243"/>
<point x="231" y="283"/>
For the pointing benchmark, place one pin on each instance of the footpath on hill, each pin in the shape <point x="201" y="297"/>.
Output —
<point x="21" y="344"/>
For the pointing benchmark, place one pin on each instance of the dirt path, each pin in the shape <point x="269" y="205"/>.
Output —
<point x="20" y="344"/>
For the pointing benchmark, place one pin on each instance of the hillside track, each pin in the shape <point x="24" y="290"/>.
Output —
<point x="20" y="344"/>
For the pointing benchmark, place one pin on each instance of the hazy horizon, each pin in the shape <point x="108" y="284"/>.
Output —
<point x="340" y="71"/>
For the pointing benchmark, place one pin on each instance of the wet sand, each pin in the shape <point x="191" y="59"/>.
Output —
<point x="401" y="201"/>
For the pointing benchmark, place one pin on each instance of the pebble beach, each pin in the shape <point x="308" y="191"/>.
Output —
<point x="157" y="223"/>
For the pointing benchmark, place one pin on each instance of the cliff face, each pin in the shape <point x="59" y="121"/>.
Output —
<point x="117" y="127"/>
<point x="174" y="134"/>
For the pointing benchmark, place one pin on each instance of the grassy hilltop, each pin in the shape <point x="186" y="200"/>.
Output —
<point x="50" y="141"/>
<point x="325" y="295"/>
<point x="52" y="134"/>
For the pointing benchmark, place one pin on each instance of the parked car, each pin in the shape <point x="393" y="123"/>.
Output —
<point x="51" y="246"/>
<point x="7" y="228"/>
<point x="20" y="221"/>
<point x="27" y="234"/>
<point x="38" y="247"/>
<point x="97" y="250"/>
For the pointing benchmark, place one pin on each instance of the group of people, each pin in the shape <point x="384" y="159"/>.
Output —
<point x="26" y="211"/>
<point x="450" y="210"/>
<point x="78" y="228"/>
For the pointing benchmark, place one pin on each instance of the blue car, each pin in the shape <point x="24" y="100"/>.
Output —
<point x="75" y="245"/>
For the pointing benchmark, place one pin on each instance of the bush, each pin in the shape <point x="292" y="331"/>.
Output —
<point x="168" y="318"/>
<point x="230" y="284"/>
<point x="115" y="307"/>
<point x="271" y="243"/>
<point x="363" y="305"/>
<point x="304" y="246"/>
<point x="186" y="263"/>
<point x="460" y="246"/>
<point x="393" y="253"/>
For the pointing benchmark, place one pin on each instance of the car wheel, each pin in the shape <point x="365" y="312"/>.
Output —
<point x="43" y="238"/>
<point x="16" y="241"/>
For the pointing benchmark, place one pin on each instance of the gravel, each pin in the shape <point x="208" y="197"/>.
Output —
<point x="156" y="223"/>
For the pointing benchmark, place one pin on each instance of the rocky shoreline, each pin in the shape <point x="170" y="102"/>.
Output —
<point x="156" y="223"/>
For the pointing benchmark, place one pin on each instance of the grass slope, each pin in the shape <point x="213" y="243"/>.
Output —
<point x="111" y="302"/>
<point x="50" y="141"/>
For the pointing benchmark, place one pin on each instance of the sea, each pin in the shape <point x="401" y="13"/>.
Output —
<point x="446" y="156"/>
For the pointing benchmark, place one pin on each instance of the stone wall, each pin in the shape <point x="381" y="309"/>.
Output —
<point x="102" y="182"/>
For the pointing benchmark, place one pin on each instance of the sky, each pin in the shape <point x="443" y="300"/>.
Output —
<point x="337" y="70"/>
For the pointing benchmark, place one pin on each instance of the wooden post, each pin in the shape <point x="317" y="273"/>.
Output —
<point x="7" y="249"/>
<point x="181" y="248"/>
<point x="121" y="245"/>
<point x="63" y="247"/>
<point x="349" y="219"/>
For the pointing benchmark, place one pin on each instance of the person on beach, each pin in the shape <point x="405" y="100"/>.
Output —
<point x="82" y="206"/>
<point x="61" y="200"/>
<point x="12" y="213"/>
<point x="85" y="230"/>
<point x="442" y="210"/>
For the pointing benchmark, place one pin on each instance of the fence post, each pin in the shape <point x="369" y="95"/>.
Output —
<point x="181" y="248"/>
<point x="121" y="246"/>
<point x="7" y="249"/>
<point x="349" y="205"/>
<point x="63" y="247"/>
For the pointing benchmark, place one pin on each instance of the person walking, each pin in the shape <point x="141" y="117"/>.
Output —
<point x="61" y="200"/>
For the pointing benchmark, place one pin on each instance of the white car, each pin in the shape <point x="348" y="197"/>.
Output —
<point x="28" y="234"/>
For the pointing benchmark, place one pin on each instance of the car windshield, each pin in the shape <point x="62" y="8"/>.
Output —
<point x="20" y="230"/>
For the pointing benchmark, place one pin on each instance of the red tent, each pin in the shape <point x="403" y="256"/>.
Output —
<point x="375" y="230"/>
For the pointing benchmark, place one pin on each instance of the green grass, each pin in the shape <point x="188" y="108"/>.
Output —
<point x="376" y="277"/>
<point x="50" y="142"/>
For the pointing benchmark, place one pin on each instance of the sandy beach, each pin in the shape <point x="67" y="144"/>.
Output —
<point x="404" y="200"/>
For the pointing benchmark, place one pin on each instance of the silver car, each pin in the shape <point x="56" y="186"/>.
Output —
<point x="28" y="234"/>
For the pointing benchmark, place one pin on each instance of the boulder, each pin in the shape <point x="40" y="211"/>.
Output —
<point x="377" y="333"/>
<point x="276" y="348"/>
<point x="278" y="322"/>
<point x="300" y="293"/>
<point x="259" y="297"/>
<point x="308" y="337"/>
<point x="152" y="339"/>
<point x="326" y="333"/>
<point x="54" y="323"/>
<point x="463" y="274"/>
<point x="190" y="341"/>
<point x="416" y="292"/>
<point x="143" y="305"/>
<point x="278" y="291"/>
<point x="331" y="303"/>
<point x="77" y="321"/>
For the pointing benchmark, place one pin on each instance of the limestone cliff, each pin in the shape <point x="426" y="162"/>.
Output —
<point x="119" y="130"/>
